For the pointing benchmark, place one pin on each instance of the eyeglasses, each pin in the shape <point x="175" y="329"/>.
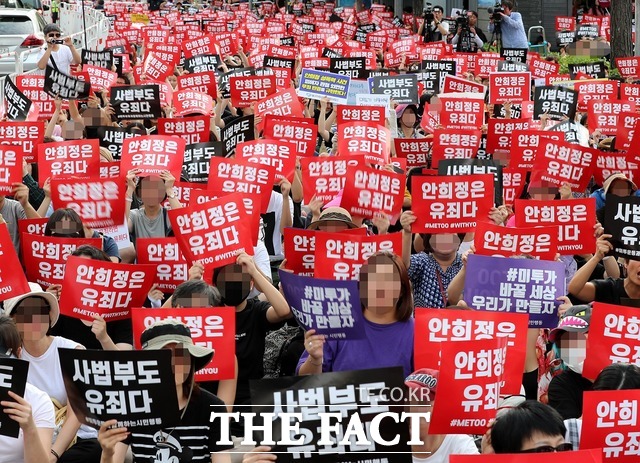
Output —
<point x="54" y="35"/>
<point x="566" y="447"/>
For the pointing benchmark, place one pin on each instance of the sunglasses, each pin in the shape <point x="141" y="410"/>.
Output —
<point x="54" y="35"/>
<point x="566" y="447"/>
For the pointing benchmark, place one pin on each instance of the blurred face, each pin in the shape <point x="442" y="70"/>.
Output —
<point x="408" y="118"/>
<point x="379" y="284"/>
<point x="66" y="227"/>
<point x="543" y="191"/>
<point x="32" y="318"/>
<point x="152" y="190"/>
<point x="234" y="285"/>
<point x="332" y="226"/>
<point x="180" y="362"/>
<point x="620" y="188"/>
<point x="444" y="244"/>
<point x="195" y="300"/>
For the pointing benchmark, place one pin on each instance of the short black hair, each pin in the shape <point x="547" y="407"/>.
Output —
<point x="92" y="252"/>
<point x="187" y="289"/>
<point x="508" y="4"/>
<point x="520" y="423"/>
<point x="617" y="377"/>
<point x="474" y="13"/>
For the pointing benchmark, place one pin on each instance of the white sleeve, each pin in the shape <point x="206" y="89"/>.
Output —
<point x="41" y="407"/>
<point x="261" y="259"/>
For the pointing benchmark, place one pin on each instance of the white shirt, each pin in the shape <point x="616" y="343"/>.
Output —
<point x="453" y="444"/>
<point x="43" y="417"/>
<point x="62" y="57"/>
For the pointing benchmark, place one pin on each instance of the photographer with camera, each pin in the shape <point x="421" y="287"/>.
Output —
<point x="433" y="29"/>
<point x="468" y="38"/>
<point x="58" y="57"/>
<point x="507" y="25"/>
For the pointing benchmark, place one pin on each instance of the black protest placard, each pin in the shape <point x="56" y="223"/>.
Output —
<point x="596" y="70"/>
<point x="224" y="89"/>
<point x="457" y="167"/>
<point x="570" y="130"/>
<point x="557" y="102"/>
<point x="357" y="396"/>
<point x="277" y="62"/>
<point x="101" y="59"/>
<point x="237" y="131"/>
<point x="381" y="73"/>
<point x="622" y="222"/>
<point x="196" y="159"/>
<point x="512" y="66"/>
<point x="136" y="101"/>
<point x="128" y="386"/>
<point x="515" y="55"/>
<point x="111" y="138"/>
<point x="202" y="63"/>
<point x="288" y="41"/>
<point x="499" y="111"/>
<point x="432" y="80"/>
<point x="59" y="85"/>
<point x="446" y="66"/>
<point x="587" y="31"/>
<point x="402" y="89"/>
<point x="352" y="67"/>
<point x="565" y="38"/>
<point x="329" y="53"/>
<point x="18" y="105"/>
<point x="13" y="377"/>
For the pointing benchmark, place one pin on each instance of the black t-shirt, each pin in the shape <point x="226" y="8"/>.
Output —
<point x="120" y="331"/>
<point x="565" y="393"/>
<point x="196" y="435"/>
<point x="610" y="291"/>
<point x="251" y="328"/>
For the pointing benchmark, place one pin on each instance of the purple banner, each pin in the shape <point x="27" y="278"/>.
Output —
<point x="496" y="284"/>
<point x="330" y="307"/>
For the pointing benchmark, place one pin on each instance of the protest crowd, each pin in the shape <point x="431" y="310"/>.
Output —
<point x="302" y="208"/>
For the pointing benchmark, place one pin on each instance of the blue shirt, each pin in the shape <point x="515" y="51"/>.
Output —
<point x="513" y="34"/>
<point x="427" y="288"/>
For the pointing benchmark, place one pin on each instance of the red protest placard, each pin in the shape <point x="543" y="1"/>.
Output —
<point x="494" y="240"/>
<point x="281" y="103"/>
<point x="436" y="327"/>
<point x="339" y="256"/>
<point x="614" y="337"/>
<point x="171" y="266"/>
<point x="509" y="86"/>
<point x="32" y="85"/>
<point x="630" y="92"/>
<point x="278" y="155"/>
<point x="202" y="82"/>
<point x="524" y="146"/>
<point x="299" y="246"/>
<point x="513" y="181"/>
<point x="454" y="144"/>
<point x="453" y="84"/>
<point x="152" y="155"/>
<point x="417" y="152"/>
<point x="237" y="175"/>
<point x="499" y="133"/>
<point x="247" y="89"/>
<point x="541" y="68"/>
<point x="94" y="287"/>
<point x="577" y="456"/>
<point x="201" y="46"/>
<point x="371" y="140"/>
<point x="212" y="327"/>
<point x="486" y="64"/>
<point x="445" y="204"/>
<point x="469" y="384"/>
<point x="13" y="281"/>
<point x="324" y="177"/>
<point x="44" y="257"/>
<point x="628" y="66"/>
<point x="76" y="158"/>
<point x="191" y="129"/>
<point x="352" y="113"/>
<point x="575" y="219"/>
<point x="609" y="163"/>
<point x="565" y="23"/>
<point x="99" y="202"/>
<point x="368" y="191"/>
<point x="560" y="162"/>
<point x="188" y="102"/>
<point x="462" y="113"/>
<point x="159" y="65"/>
<point x="627" y="123"/>
<point x="100" y="78"/>
<point x="301" y="131"/>
<point x="213" y="233"/>
<point x="28" y="135"/>
<point x="32" y="226"/>
<point x="590" y="90"/>
<point x="604" y="114"/>
<point x="610" y="422"/>
<point x="10" y="167"/>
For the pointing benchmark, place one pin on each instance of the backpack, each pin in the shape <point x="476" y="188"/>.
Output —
<point x="283" y="348"/>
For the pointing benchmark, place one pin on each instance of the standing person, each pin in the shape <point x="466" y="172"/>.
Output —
<point x="58" y="57"/>
<point x="33" y="412"/>
<point x="511" y="27"/>
<point x="55" y="11"/>
<point x="438" y="30"/>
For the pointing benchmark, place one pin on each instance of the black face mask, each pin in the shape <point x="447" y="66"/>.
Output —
<point x="234" y="292"/>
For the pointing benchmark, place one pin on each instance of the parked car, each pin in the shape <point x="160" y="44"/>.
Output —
<point x="20" y="29"/>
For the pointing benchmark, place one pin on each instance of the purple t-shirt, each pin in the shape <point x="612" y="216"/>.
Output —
<point x="384" y="346"/>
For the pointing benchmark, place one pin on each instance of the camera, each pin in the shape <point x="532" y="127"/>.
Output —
<point x="59" y="42"/>
<point x="427" y="12"/>
<point x="496" y="12"/>
<point x="462" y="20"/>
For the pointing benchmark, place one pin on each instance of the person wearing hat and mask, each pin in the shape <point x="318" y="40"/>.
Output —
<point x="436" y="448"/>
<point x="33" y="411"/>
<point x="34" y="314"/>
<point x="55" y="55"/>
<point x="195" y="438"/>
<point x="333" y="219"/>
<point x="616" y="184"/>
